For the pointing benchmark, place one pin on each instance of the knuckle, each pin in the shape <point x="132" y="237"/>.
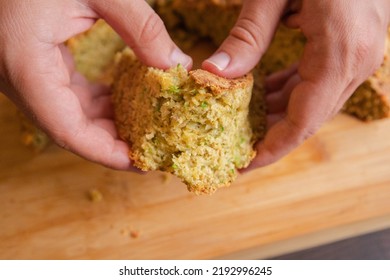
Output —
<point x="301" y="129"/>
<point x="63" y="145"/>
<point x="362" y="50"/>
<point x="378" y="60"/>
<point x="151" y="29"/>
<point x="65" y="138"/>
<point x="61" y="139"/>
<point x="367" y="53"/>
<point x="249" y="33"/>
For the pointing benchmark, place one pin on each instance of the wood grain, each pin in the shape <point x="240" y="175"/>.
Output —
<point x="338" y="179"/>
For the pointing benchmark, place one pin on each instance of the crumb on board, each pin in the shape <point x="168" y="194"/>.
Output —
<point x="166" y="177"/>
<point x="133" y="233"/>
<point x="95" y="195"/>
<point x="34" y="139"/>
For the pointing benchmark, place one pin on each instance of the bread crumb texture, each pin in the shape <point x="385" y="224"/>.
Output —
<point x="94" y="51"/>
<point x="194" y="124"/>
<point x="32" y="136"/>
<point x="95" y="195"/>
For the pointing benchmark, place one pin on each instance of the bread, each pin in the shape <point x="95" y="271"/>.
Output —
<point x="215" y="18"/>
<point x="31" y="136"/>
<point x="199" y="18"/>
<point x="194" y="124"/>
<point x="371" y="100"/>
<point x="94" y="51"/>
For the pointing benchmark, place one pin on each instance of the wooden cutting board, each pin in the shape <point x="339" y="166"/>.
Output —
<point x="336" y="185"/>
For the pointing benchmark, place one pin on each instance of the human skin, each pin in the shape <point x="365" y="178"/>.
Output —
<point x="37" y="72"/>
<point x="345" y="45"/>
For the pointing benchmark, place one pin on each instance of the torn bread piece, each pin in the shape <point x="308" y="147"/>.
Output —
<point x="194" y="124"/>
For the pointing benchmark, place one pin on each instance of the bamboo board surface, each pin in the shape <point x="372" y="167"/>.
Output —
<point x="336" y="185"/>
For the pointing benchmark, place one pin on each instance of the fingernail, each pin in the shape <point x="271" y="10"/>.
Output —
<point x="178" y="57"/>
<point x="220" y="60"/>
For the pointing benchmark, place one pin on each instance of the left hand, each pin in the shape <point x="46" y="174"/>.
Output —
<point x="37" y="74"/>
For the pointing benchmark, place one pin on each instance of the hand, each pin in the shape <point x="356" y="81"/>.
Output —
<point x="345" y="44"/>
<point x="37" y="72"/>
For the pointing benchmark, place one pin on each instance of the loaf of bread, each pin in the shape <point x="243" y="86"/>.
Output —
<point x="371" y="100"/>
<point x="94" y="51"/>
<point x="194" y="124"/>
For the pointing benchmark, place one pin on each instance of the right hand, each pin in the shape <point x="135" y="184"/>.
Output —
<point x="345" y="45"/>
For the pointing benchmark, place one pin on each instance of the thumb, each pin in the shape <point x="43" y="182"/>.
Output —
<point x="143" y="31"/>
<point x="248" y="39"/>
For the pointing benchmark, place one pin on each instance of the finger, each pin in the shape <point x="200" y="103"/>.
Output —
<point x="94" y="90"/>
<point x="100" y="107"/>
<point x="79" y="80"/>
<point x="290" y="18"/>
<point x="248" y="39"/>
<point x="71" y="129"/>
<point x="305" y="114"/>
<point x="276" y="81"/>
<point x="51" y="102"/>
<point x="82" y="136"/>
<point x="143" y="30"/>
<point x="93" y="104"/>
<point x="294" y="7"/>
<point x="108" y="125"/>
<point x="345" y="95"/>
<point x="311" y="103"/>
<point x="68" y="58"/>
<point x="334" y="58"/>
<point x="277" y="101"/>
<point x="273" y="119"/>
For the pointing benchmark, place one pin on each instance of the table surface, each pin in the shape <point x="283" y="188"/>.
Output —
<point x="334" y="186"/>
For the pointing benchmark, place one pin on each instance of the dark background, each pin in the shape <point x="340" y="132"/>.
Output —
<point x="373" y="246"/>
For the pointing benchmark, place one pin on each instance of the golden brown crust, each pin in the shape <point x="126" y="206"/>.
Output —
<point x="218" y="84"/>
